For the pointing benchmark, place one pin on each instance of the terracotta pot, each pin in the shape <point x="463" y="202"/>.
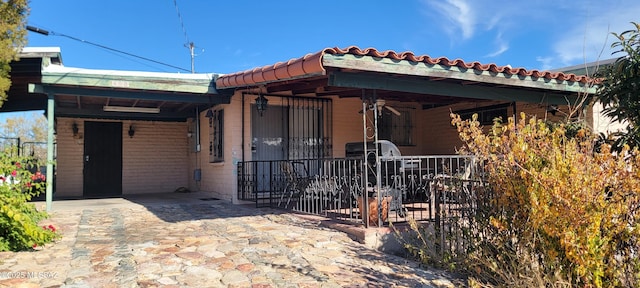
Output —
<point x="373" y="209"/>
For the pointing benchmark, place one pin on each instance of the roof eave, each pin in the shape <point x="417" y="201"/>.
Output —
<point x="165" y="82"/>
<point x="424" y="69"/>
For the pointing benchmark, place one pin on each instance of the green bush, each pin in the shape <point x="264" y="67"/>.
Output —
<point x="19" y="219"/>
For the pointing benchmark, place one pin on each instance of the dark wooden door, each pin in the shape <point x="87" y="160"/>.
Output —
<point x="102" y="159"/>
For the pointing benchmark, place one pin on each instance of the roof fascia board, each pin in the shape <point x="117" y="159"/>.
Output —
<point x="200" y="86"/>
<point x="146" y="95"/>
<point x="370" y="81"/>
<point x="405" y="67"/>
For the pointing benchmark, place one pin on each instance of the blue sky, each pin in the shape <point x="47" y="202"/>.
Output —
<point x="232" y="36"/>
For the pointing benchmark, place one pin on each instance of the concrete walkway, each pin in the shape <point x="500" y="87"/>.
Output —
<point x="194" y="240"/>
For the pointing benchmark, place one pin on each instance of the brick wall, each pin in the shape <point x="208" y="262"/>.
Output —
<point x="69" y="160"/>
<point x="155" y="160"/>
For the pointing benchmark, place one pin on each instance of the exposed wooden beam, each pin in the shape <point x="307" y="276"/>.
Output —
<point x="98" y="113"/>
<point x="133" y="94"/>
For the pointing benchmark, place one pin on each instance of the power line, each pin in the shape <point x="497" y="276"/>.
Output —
<point x="47" y="33"/>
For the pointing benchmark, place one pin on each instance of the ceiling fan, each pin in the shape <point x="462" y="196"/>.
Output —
<point x="381" y="105"/>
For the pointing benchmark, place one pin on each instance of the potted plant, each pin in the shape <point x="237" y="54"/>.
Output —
<point x="372" y="200"/>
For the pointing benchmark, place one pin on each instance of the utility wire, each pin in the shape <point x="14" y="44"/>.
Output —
<point x="47" y="33"/>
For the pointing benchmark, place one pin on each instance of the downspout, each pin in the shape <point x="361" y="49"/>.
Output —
<point x="242" y="129"/>
<point x="197" y="130"/>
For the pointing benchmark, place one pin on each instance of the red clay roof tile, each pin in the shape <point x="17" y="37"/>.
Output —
<point x="311" y="64"/>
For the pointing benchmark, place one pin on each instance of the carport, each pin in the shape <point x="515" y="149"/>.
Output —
<point x="41" y="82"/>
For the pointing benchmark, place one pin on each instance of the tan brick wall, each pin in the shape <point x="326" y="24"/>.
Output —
<point x="155" y="160"/>
<point x="69" y="162"/>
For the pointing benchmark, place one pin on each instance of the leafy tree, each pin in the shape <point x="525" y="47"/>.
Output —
<point x="30" y="127"/>
<point x="620" y="90"/>
<point x="12" y="38"/>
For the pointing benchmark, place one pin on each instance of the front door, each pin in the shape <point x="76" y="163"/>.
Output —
<point x="268" y="142"/>
<point x="102" y="159"/>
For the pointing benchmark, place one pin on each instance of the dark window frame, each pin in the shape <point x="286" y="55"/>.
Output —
<point x="398" y="129"/>
<point x="486" y="114"/>
<point x="216" y="136"/>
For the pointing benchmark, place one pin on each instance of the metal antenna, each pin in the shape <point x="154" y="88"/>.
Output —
<point x="188" y="44"/>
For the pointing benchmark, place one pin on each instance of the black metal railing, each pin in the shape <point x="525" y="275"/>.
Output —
<point x="331" y="187"/>
<point x="442" y="192"/>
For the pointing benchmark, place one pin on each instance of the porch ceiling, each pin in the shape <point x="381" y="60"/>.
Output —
<point x="85" y="92"/>
<point x="84" y="102"/>
<point x="407" y="78"/>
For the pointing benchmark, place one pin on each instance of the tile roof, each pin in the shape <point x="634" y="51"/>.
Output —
<point x="311" y="64"/>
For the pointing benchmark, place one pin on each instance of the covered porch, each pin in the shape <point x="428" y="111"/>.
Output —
<point x="366" y="96"/>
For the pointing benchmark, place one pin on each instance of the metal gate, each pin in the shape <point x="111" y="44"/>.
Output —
<point x="290" y="128"/>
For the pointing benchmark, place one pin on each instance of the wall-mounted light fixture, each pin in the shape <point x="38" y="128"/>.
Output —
<point x="209" y="114"/>
<point x="75" y="129"/>
<point x="131" y="131"/>
<point x="261" y="104"/>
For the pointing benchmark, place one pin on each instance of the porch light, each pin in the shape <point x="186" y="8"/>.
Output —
<point x="261" y="104"/>
<point x="209" y="114"/>
<point x="131" y="131"/>
<point x="74" y="129"/>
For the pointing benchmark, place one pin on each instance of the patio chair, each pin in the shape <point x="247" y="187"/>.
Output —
<point x="297" y="181"/>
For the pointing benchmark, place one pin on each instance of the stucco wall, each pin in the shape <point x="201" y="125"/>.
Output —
<point x="601" y="123"/>
<point x="154" y="160"/>
<point x="220" y="178"/>
<point x="432" y="133"/>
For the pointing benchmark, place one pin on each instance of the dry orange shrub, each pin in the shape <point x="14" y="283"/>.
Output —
<point x="562" y="208"/>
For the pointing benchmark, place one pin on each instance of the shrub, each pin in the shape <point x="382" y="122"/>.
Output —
<point x="564" y="212"/>
<point x="19" y="219"/>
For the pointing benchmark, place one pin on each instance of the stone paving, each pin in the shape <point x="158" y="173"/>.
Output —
<point x="203" y="244"/>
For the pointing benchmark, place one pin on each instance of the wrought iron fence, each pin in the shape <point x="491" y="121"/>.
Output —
<point x="414" y="186"/>
<point x="443" y="193"/>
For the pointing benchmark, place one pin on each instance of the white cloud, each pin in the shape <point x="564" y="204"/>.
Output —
<point x="458" y="13"/>
<point x="503" y="46"/>
<point x="546" y="62"/>
<point x="589" y="39"/>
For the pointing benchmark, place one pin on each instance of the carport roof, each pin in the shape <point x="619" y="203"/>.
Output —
<point x="85" y="92"/>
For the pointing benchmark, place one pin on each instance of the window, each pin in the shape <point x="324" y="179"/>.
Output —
<point x="216" y="136"/>
<point x="486" y="114"/>
<point x="397" y="128"/>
